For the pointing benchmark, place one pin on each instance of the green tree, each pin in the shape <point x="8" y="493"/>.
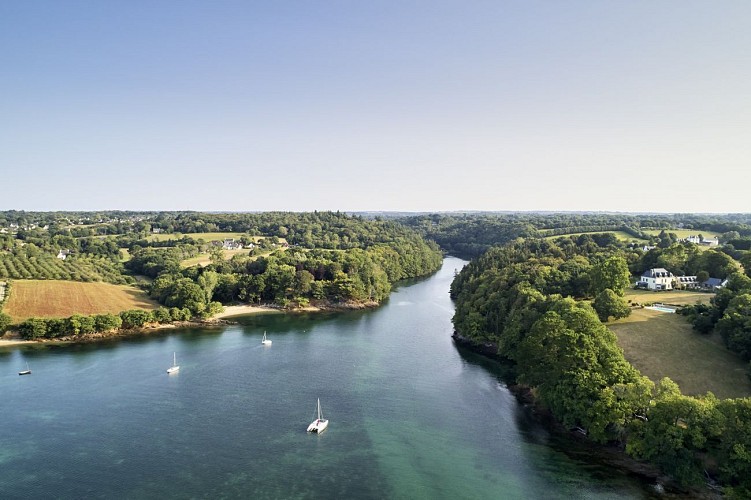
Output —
<point x="107" y="322"/>
<point x="735" y="325"/>
<point x="608" y="304"/>
<point x="5" y="321"/>
<point x="612" y="273"/>
<point x="135" y="318"/>
<point x="33" y="328"/>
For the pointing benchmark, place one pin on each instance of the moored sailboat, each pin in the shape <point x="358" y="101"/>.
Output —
<point x="174" y="368"/>
<point x="319" y="424"/>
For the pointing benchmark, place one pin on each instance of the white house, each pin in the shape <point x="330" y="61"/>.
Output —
<point x="231" y="244"/>
<point x="62" y="254"/>
<point x="687" y="282"/>
<point x="656" y="279"/>
<point x="713" y="242"/>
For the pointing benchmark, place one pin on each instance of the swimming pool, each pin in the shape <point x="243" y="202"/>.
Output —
<point x="661" y="308"/>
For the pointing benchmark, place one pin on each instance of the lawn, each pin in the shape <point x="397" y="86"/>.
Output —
<point x="673" y="297"/>
<point x="203" y="236"/>
<point x="664" y="345"/>
<point x="621" y="235"/>
<point x="204" y="258"/>
<point x="683" y="233"/>
<point x="60" y="299"/>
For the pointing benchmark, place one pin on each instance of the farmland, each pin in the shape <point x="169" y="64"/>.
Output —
<point x="202" y="236"/>
<point x="53" y="299"/>
<point x="664" y="345"/>
<point x="621" y="235"/>
<point x="683" y="233"/>
<point x="47" y="266"/>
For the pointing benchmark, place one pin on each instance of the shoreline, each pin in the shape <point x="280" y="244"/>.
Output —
<point x="610" y="454"/>
<point x="223" y="318"/>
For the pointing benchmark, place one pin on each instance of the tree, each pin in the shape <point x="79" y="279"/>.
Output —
<point x="5" y="322"/>
<point x="33" y="328"/>
<point x="608" y="304"/>
<point x="612" y="273"/>
<point x="107" y="322"/>
<point x="135" y="318"/>
<point x="735" y="325"/>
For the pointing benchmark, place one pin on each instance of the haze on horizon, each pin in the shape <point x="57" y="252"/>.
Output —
<point x="376" y="106"/>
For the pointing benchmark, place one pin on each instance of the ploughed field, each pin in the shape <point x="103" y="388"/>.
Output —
<point x="60" y="299"/>
<point x="661" y="344"/>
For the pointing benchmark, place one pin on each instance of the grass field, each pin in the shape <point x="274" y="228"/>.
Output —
<point x="661" y="345"/>
<point x="60" y="299"/>
<point x="203" y="236"/>
<point x="621" y="235"/>
<point x="683" y="233"/>
<point x="204" y="258"/>
<point x="674" y="297"/>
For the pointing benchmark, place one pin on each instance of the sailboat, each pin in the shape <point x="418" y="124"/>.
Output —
<point x="174" y="368"/>
<point x="27" y="371"/>
<point x="319" y="424"/>
<point x="265" y="341"/>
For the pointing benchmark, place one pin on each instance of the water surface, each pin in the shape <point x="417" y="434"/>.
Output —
<point x="411" y="415"/>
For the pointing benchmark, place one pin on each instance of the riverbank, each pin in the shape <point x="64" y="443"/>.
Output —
<point x="613" y="455"/>
<point x="221" y="319"/>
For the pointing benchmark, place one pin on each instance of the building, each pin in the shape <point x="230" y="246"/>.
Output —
<point x="656" y="279"/>
<point x="231" y="244"/>
<point x="62" y="254"/>
<point x="687" y="282"/>
<point x="713" y="284"/>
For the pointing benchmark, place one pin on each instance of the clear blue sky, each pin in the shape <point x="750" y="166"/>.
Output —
<point x="375" y="105"/>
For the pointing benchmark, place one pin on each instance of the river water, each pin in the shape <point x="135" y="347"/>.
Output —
<point x="412" y="416"/>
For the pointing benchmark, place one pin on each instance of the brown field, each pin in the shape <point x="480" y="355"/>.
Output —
<point x="662" y="344"/>
<point x="674" y="297"/>
<point x="60" y="299"/>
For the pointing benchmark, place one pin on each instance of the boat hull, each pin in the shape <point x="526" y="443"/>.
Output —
<point x="25" y="372"/>
<point x="174" y="369"/>
<point x="318" y="426"/>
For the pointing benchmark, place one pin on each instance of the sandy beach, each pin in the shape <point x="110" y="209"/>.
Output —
<point x="9" y="342"/>
<point x="249" y="309"/>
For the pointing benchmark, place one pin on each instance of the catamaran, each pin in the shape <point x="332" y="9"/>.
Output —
<point x="265" y="341"/>
<point x="174" y="368"/>
<point x="319" y="424"/>
<point x="27" y="371"/>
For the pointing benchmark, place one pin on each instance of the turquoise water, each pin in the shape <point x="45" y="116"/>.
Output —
<point x="411" y="415"/>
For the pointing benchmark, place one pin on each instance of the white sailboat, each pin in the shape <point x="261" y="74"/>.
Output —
<point x="27" y="371"/>
<point x="319" y="424"/>
<point x="265" y="341"/>
<point x="174" y="368"/>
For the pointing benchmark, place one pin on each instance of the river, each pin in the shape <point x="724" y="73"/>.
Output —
<point x="412" y="416"/>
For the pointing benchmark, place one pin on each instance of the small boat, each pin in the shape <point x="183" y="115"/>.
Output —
<point x="174" y="368"/>
<point x="27" y="371"/>
<point x="319" y="424"/>
<point x="265" y="341"/>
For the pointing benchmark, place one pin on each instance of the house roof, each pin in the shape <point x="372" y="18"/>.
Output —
<point x="657" y="272"/>
<point x="713" y="282"/>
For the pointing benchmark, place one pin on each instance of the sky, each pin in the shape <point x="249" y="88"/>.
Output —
<point x="629" y="106"/>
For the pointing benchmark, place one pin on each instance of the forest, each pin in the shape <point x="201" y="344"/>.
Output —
<point x="541" y="304"/>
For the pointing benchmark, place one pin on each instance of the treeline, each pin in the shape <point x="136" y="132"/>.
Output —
<point x="687" y="259"/>
<point x="729" y="313"/>
<point x="287" y="278"/>
<point x="469" y="235"/>
<point x="520" y="299"/>
<point x="80" y="324"/>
